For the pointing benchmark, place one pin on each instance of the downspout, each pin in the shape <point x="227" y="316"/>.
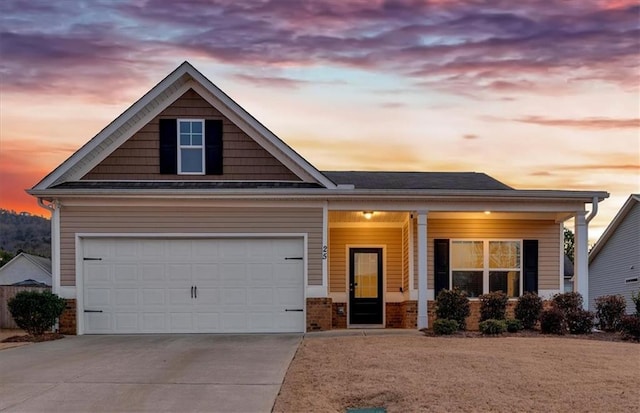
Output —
<point x="54" y="208"/>
<point x="594" y="210"/>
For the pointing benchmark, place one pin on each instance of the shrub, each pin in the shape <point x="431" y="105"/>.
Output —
<point x="630" y="327"/>
<point x="514" y="325"/>
<point x="568" y="302"/>
<point x="552" y="321"/>
<point x="580" y="321"/>
<point x="528" y="309"/>
<point x="36" y="312"/>
<point x="493" y="306"/>
<point x="493" y="326"/>
<point x="609" y="310"/>
<point x="636" y="301"/>
<point x="454" y="305"/>
<point x="445" y="326"/>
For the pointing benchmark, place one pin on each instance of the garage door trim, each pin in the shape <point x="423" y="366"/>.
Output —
<point x="80" y="237"/>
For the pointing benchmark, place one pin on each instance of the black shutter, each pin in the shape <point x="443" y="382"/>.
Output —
<point x="213" y="146"/>
<point x="168" y="146"/>
<point x="530" y="259"/>
<point x="441" y="264"/>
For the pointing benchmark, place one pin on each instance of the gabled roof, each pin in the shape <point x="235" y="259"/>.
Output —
<point x="617" y="220"/>
<point x="13" y="272"/>
<point x="42" y="262"/>
<point x="182" y="79"/>
<point x="416" y="180"/>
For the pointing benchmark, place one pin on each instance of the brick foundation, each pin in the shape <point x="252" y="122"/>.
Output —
<point x="319" y="314"/>
<point x="410" y="314"/>
<point x="339" y="318"/>
<point x="394" y="317"/>
<point x="67" y="322"/>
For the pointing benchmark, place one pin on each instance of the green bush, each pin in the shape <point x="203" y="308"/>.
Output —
<point x="552" y="321"/>
<point x="528" y="309"/>
<point x="454" y="305"/>
<point x="493" y="306"/>
<point x="36" y="312"/>
<point x="636" y="301"/>
<point x="445" y="326"/>
<point x="567" y="302"/>
<point x="493" y="326"/>
<point x="609" y="310"/>
<point x="630" y="327"/>
<point x="514" y="325"/>
<point x="579" y="321"/>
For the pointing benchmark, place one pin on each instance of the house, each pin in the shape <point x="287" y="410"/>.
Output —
<point x="614" y="261"/>
<point x="26" y="270"/>
<point x="568" y="274"/>
<point x="186" y="214"/>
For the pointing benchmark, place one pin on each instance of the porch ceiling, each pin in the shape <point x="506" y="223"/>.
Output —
<point x="358" y="216"/>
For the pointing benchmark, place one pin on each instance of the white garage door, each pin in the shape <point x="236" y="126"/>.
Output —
<point x="192" y="285"/>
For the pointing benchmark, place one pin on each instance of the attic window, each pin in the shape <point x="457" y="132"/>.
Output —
<point x="191" y="146"/>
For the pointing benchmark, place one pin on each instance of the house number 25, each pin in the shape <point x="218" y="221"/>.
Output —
<point x="324" y="252"/>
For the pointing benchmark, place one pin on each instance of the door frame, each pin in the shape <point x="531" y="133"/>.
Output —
<point x="383" y="247"/>
<point x="80" y="237"/>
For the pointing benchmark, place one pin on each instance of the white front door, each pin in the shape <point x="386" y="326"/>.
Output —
<point x="226" y="285"/>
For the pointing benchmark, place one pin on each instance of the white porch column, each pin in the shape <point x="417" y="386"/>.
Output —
<point x="581" y="258"/>
<point x="422" y="270"/>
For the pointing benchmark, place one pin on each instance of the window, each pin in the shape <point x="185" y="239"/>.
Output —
<point x="191" y="146"/>
<point x="484" y="266"/>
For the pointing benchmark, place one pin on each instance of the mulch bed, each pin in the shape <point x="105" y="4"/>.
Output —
<point x="32" y="339"/>
<point x="599" y="336"/>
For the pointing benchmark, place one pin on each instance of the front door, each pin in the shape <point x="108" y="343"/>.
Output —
<point x="365" y="285"/>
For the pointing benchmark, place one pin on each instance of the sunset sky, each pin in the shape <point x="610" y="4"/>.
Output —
<point x="539" y="94"/>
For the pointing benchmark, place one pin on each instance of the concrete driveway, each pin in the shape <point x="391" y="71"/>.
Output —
<point x="147" y="373"/>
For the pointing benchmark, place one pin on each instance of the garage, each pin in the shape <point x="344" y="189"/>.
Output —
<point x="185" y="285"/>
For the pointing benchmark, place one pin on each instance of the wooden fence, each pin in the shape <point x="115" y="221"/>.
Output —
<point x="7" y="292"/>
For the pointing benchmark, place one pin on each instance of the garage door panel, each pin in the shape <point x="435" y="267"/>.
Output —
<point x="145" y="285"/>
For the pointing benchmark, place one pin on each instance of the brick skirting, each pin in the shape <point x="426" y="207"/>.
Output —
<point x="67" y="322"/>
<point x="319" y="314"/>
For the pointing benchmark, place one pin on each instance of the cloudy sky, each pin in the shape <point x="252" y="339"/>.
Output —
<point x="538" y="94"/>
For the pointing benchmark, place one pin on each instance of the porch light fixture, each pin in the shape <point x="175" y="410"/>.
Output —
<point x="487" y="212"/>
<point x="367" y="214"/>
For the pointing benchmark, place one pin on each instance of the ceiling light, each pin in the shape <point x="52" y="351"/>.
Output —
<point x="367" y="214"/>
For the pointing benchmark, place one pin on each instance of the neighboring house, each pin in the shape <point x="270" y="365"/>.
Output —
<point x="568" y="274"/>
<point x="614" y="262"/>
<point x="26" y="270"/>
<point x="186" y="214"/>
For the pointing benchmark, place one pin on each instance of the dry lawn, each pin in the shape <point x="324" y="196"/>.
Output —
<point x="505" y="374"/>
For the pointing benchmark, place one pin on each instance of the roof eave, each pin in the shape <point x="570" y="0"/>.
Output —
<point x="613" y="225"/>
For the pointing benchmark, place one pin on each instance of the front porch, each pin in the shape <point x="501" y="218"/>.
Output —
<point x="381" y="264"/>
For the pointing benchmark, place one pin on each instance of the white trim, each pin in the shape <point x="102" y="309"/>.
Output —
<point x="423" y="316"/>
<point x="191" y="202"/>
<point x="180" y="146"/>
<point x="384" y="280"/>
<point x="79" y="248"/>
<point x="325" y="248"/>
<point x="581" y="257"/>
<point x="561" y="264"/>
<point x="68" y="292"/>
<point x="413" y="292"/>
<point x="315" y="291"/>
<point x="548" y="294"/>
<point x="55" y="248"/>
<point x="394" y="297"/>
<point x="611" y="228"/>
<point x="431" y="294"/>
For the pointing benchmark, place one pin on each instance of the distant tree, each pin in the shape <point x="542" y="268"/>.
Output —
<point x="5" y="257"/>
<point x="569" y="243"/>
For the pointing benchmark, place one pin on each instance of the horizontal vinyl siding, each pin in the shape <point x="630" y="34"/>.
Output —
<point x="339" y="238"/>
<point x="405" y="257"/>
<point x="138" y="158"/>
<point x="618" y="259"/>
<point x="546" y="232"/>
<point x="189" y="220"/>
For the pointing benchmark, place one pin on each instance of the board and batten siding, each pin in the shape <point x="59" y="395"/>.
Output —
<point x="618" y="260"/>
<point x="138" y="158"/>
<point x="546" y="232"/>
<point x="160" y="219"/>
<point x="339" y="238"/>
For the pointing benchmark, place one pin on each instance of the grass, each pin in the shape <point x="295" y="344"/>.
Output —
<point x="506" y="374"/>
